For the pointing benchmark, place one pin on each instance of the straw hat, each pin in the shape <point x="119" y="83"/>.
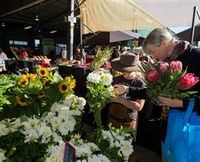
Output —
<point x="126" y="63"/>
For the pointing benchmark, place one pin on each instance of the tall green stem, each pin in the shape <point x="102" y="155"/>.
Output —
<point x="97" y="116"/>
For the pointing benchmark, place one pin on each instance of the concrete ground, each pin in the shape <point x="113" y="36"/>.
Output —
<point x="145" y="155"/>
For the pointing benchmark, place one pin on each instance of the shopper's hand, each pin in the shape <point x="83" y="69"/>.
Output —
<point x="171" y="102"/>
<point x="121" y="89"/>
<point x="117" y="99"/>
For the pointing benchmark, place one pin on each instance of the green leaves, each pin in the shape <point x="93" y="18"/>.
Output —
<point x="101" y="57"/>
<point x="97" y="97"/>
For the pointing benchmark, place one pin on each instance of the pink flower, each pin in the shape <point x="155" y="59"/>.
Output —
<point x="188" y="80"/>
<point x="176" y="65"/>
<point x="152" y="75"/>
<point x="164" y="66"/>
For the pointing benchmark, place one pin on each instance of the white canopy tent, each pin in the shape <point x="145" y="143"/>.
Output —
<point x="114" y="15"/>
<point x="173" y="13"/>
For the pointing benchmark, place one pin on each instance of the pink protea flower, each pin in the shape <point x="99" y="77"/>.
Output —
<point x="152" y="75"/>
<point x="163" y="66"/>
<point x="176" y="65"/>
<point x="188" y="80"/>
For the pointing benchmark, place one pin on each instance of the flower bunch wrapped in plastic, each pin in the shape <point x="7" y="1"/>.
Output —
<point x="168" y="80"/>
<point x="99" y="90"/>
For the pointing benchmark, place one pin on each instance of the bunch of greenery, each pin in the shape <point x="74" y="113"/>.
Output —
<point x="102" y="56"/>
<point x="99" y="90"/>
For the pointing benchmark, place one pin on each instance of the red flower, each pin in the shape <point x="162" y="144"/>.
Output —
<point x="188" y="80"/>
<point x="176" y="65"/>
<point x="164" y="66"/>
<point x="152" y="75"/>
<point x="23" y="54"/>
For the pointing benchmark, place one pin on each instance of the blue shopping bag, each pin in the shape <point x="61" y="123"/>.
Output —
<point x="182" y="142"/>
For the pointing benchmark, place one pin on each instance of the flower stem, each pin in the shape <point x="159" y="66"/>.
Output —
<point x="97" y="116"/>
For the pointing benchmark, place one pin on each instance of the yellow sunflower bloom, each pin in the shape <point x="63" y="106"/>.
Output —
<point x="20" y="101"/>
<point x="46" y="83"/>
<point x="23" y="81"/>
<point x="51" y="74"/>
<point x="73" y="84"/>
<point x="63" y="87"/>
<point x="42" y="72"/>
<point x="30" y="76"/>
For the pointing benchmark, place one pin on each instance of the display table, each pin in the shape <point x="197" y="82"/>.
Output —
<point x="13" y="66"/>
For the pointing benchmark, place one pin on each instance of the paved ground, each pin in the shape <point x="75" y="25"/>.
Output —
<point x="145" y="155"/>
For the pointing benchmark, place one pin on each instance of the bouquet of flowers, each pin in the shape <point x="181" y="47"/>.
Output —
<point x="99" y="90"/>
<point x="168" y="80"/>
<point x="22" y="53"/>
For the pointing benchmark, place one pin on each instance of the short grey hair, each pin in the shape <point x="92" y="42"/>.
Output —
<point x="155" y="38"/>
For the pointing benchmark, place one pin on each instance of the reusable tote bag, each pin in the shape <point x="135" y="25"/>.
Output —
<point x="182" y="143"/>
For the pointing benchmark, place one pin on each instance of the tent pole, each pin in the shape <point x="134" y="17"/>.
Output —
<point x="193" y="25"/>
<point x="71" y="30"/>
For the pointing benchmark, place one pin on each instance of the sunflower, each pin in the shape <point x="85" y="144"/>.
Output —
<point x="68" y="79"/>
<point x="73" y="84"/>
<point x="46" y="83"/>
<point x="20" y="101"/>
<point x="63" y="87"/>
<point x="23" y="81"/>
<point x="30" y="76"/>
<point x="42" y="72"/>
<point x="41" y="95"/>
<point x="51" y="74"/>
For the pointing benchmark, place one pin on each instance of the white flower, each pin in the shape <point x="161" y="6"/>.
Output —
<point x="2" y="155"/>
<point x="81" y="160"/>
<point x="76" y="112"/>
<point x="3" y="128"/>
<point x="81" y="103"/>
<point x="56" y="137"/>
<point x="126" y="149"/>
<point x="98" y="158"/>
<point x="69" y="100"/>
<point x="93" y="146"/>
<point x="45" y="132"/>
<point x="93" y="77"/>
<point x="30" y="135"/>
<point x="106" y="79"/>
<point x="55" y="153"/>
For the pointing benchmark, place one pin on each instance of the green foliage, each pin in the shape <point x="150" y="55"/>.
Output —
<point x="101" y="57"/>
<point x="98" y="96"/>
<point x="6" y="81"/>
<point x="18" y="151"/>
